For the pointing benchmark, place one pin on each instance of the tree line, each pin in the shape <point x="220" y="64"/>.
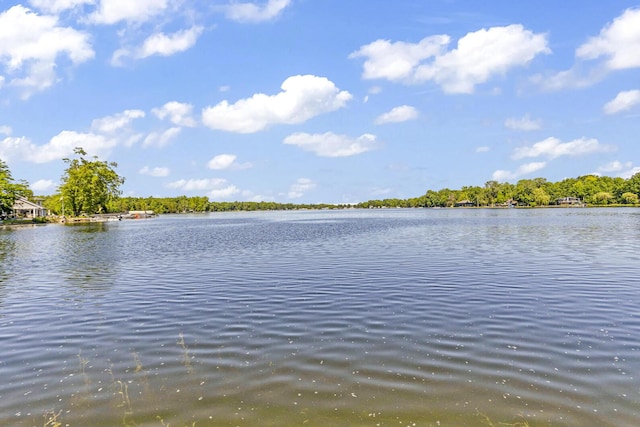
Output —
<point x="589" y="189"/>
<point x="92" y="186"/>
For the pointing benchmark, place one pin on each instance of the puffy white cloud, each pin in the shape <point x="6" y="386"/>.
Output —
<point x="116" y="122"/>
<point x="221" y="161"/>
<point x="623" y="101"/>
<point x="226" y="161"/>
<point x="58" y="147"/>
<point x="5" y="130"/>
<point x="525" y="123"/>
<point x="478" y="57"/>
<point x="178" y="113"/>
<point x="402" y="113"/>
<point x="43" y="185"/>
<point x="63" y="144"/>
<point x="483" y="149"/>
<point x="30" y="45"/>
<point x="113" y="11"/>
<point x="160" y="139"/>
<point x="526" y="169"/>
<point x="252" y="12"/>
<point x="155" y="172"/>
<point x="398" y="61"/>
<point x="300" y="187"/>
<point x="332" y="145"/>
<point x="15" y="148"/>
<point x="618" y="42"/>
<point x="167" y="45"/>
<point x="302" y="98"/>
<point x="57" y="6"/>
<point x="553" y="148"/>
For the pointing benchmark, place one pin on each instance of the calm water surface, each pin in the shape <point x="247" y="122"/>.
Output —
<point x="350" y="318"/>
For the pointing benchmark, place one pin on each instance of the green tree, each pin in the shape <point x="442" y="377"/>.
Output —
<point x="630" y="198"/>
<point x="540" y="197"/>
<point x="9" y="189"/>
<point x="89" y="185"/>
<point x="602" y="198"/>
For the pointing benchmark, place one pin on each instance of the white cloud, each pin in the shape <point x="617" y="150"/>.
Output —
<point x="63" y="144"/>
<point x="398" y="114"/>
<point x="483" y="149"/>
<point x="226" y="161"/>
<point x="215" y="187"/>
<point x="198" y="184"/>
<point x="159" y="44"/>
<point x="331" y="145"/>
<point x="5" y="130"/>
<point x="178" y="113"/>
<point x="525" y="123"/>
<point x="623" y="101"/>
<point x="156" y="172"/>
<point x="167" y="45"/>
<point x="251" y="12"/>
<point x="30" y="45"/>
<point x="43" y="185"/>
<point x="223" y="193"/>
<point x="526" y="169"/>
<point x="138" y="11"/>
<point x="221" y="161"/>
<point x="106" y="133"/>
<point x="116" y="122"/>
<point x="300" y="187"/>
<point x="57" y="6"/>
<point x="629" y="173"/>
<point x="479" y="56"/>
<point x="615" y="166"/>
<point x="553" y="148"/>
<point x="618" y="42"/>
<point x="302" y="98"/>
<point x="160" y="139"/>
<point x="398" y="61"/>
<point x="572" y="78"/>
<point x="15" y="148"/>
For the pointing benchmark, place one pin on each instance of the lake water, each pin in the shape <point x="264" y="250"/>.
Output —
<point x="423" y="317"/>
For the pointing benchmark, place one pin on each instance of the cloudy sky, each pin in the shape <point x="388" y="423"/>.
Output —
<point x="309" y="101"/>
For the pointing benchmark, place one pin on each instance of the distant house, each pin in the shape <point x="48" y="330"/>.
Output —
<point x="23" y="208"/>
<point x="569" y="201"/>
<point x="465" y="204"/>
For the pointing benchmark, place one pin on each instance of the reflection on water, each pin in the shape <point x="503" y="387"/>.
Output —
<point x="396" y="317"/>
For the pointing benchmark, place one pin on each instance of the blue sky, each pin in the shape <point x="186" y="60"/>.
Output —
<point x="309" y="101"/>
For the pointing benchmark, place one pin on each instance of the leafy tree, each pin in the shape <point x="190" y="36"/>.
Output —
<point x="89" y="185"/>
<point x="630" y="198"/>
<point x="540" y="197"/>
<point x="632" y="185"/>
<point x="602" y="198"/>
<point x="9" y="189"/>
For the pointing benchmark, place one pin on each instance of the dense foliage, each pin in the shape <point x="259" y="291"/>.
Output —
<point x="88" y="185"/>
<point x="589" y="189"/>
<point x="10" y="190"/>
